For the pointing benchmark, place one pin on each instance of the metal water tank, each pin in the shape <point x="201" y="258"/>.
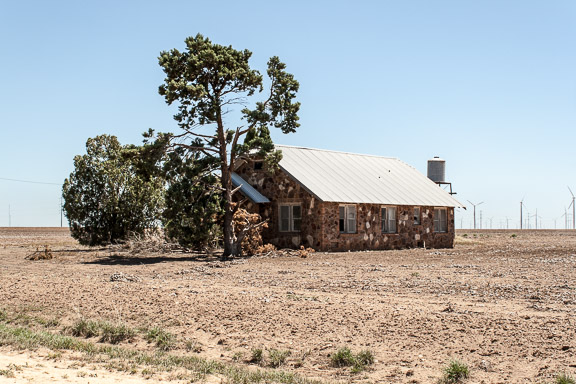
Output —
<point x="437" y="170"/>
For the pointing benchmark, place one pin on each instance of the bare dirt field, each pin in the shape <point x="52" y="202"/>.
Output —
<point x="503" y="302"/>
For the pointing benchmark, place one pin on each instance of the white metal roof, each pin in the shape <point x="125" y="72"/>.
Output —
<point x="352" y="178"/>
<point x="247" y="190"/>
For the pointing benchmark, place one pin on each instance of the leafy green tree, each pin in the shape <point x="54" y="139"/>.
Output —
<point x="114" y="191"/>
<point x="206" y="81"/>
<point x="193" y="212"/>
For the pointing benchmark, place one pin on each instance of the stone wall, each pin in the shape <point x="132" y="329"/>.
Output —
<point x="320" y="221"/>
<point x="280" y="188"/>
<point x="369" y="229"/>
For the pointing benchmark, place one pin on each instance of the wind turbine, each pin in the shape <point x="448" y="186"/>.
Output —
<point x="573" y="210"/>
<point x="521" y="206"/>
<point x="474" y="211"/>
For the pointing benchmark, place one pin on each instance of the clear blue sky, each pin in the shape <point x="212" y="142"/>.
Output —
<point x="490" y="86"/>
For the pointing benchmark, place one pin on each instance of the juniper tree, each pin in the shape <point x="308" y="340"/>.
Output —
<point x="114" y="191"/>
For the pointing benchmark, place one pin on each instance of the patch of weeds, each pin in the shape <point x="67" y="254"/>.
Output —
<point x="345" y="358"/>
<point x="415" y="274"/>
<point x="17" y="368"/>
<point x="299" y="362"/>
<point x="513" y="235"/>
<point x="49" y="323"/>
<point x="165" y="341"/>
<point x="193" y="346"/>
<point x="454" y="373"/>
<point x="54" y="355"/>
<point x="148" y="373"/>
<point x="147" y="364"/>
<point x="465" y="235"/>
<point x="342" y="358"/>
<point x="8" y="373"/>
<point x="365" y="357"/>
<point x="114" y="334"/>
<point x="257" y="356"/>
<point x="564" y="378"/>
<point x="3" y="315"/>
<point x="238" y="356"/>
<point x="85" y="328"/>
<point x="277" y="357"/>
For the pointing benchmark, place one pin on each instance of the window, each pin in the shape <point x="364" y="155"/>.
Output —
<point x="347" y="219"/>
<point x="440" y="220"/>
<point x="388" y="216"/>
<point x="417" y="217"/>
<point x="290" y="217"/>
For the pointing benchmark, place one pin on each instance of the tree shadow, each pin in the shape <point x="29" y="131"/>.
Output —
<point x="116" y="259"/>
<point x="75" y="250"/>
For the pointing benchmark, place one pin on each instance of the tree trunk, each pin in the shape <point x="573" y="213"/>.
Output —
<point x="229" y="238"/>
<point x="231" y="245"/>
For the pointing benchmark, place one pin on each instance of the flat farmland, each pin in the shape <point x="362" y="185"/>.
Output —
<point x="502" y="302"/>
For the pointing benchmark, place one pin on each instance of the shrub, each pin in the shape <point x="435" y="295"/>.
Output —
<point x="455" y="372"/>
<point x="114" y="334"/>
<point x="257" y="356"/>
<point x="564" y="378"/>
<point x="365" y="357"/>
<point x="277" y="357"/>
<point x="193" y="213"/>
<point x="165" y="341"/>
<point x="85" y="328"/>
<point x="345" y="358"/>
<point x="342" y="358"/>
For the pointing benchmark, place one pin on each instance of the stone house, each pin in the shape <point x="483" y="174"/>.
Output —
<point x="337" y="201"/>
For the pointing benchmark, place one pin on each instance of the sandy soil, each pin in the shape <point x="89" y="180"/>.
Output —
<point x="503" y="302"/>
<point x="41" y="367"/>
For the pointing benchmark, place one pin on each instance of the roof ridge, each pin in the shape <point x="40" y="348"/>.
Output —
<point x="333" y="151"/>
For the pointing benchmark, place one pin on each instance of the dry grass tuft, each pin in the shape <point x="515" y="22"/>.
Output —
<point x="152" y="241"/>
<point x="41" y="254"/>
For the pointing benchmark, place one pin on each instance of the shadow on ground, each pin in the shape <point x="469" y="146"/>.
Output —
<point x="145" y="260"/>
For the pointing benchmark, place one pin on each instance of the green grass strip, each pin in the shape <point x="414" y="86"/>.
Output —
<point x="24" y="338"/>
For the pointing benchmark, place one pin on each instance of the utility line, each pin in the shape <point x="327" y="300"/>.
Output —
<point x="28" y="181"/>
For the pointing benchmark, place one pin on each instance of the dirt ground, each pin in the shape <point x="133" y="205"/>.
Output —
<point x="503" y="302"/>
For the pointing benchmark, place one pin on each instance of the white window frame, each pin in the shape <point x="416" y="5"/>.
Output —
<point x="440" y="220"/>
<point x="417" y="216"/>
<point x="347" y="219"/>
<point x="388" y="219"/>
<point x="294" y="221"/>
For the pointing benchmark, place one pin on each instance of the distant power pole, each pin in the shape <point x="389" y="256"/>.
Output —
<point x="61" y="209"/>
